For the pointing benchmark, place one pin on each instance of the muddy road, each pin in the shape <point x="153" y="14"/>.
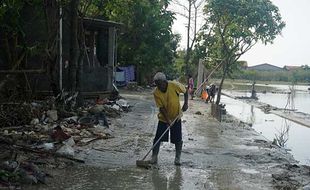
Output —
<point x="227" y="155"/>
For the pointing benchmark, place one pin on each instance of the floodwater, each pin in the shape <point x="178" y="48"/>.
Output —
<point x="271" y="126"/>
<point x="299" y="101"/>
<point x="283" y="87"/>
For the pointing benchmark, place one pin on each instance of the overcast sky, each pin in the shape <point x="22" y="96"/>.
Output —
<point x="291" y="48"/>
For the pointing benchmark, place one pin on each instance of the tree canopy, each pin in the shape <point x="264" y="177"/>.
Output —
<point x="232" y="27"/>
<point x="146" y="40"/>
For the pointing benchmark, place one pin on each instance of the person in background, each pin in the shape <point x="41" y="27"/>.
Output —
<point x="191" y="86"/>
<point x="211" y="90"/>
<point x="204" y="93"/>
<point x="166" y="95"/>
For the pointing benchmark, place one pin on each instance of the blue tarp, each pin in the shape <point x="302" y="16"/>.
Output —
<point x="129" y="73"/>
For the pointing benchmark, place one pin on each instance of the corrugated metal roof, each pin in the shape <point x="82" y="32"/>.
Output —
<point x="99" y="23"/>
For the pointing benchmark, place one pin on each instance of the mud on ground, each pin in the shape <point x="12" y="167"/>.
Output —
<point x="227" y="155"/>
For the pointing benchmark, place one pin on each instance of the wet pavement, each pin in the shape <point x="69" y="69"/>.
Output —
<point x="228" y="155"/>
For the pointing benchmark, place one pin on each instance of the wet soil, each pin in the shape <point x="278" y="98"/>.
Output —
<point x="227" y="155"/>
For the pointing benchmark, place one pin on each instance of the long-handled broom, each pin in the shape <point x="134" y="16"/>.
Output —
<point x="146" y="164"/>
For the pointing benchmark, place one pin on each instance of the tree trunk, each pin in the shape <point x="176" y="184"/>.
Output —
<point x="50" y="58"/>
<point x="218" y="99"/>
<point x="74" y="45"/>
<point x="79" y="73"/>
<point x="188" y="37"/>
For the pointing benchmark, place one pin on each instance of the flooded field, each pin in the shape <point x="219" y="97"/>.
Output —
<point x="299" y="101"/>
<point x="272" y="126"/>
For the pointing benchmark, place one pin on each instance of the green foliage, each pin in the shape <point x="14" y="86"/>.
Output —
<point x="10" y="15"/>
<point x="146" y="39"/>
<point x="181" y="65"/>
<point x="179" y="61"/>
<point x="234" y="26"/>
<point x="15" y="47"/>
<point x="300" y="75"/>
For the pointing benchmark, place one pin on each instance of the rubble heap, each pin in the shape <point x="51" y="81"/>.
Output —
<point x="45" y="134"/>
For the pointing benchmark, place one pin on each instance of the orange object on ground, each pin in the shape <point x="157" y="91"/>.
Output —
<point x="204" y="95"/>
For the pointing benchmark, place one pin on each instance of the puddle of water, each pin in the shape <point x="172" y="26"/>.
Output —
<point x="270" y="125"/>
<point x="89" y="178"/>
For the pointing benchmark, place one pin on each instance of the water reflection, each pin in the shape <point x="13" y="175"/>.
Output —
<point x="176" y="181"/>
<point x="290" y="103"/>
<point x="165" y="181"/>
<point x="252" y="116"/>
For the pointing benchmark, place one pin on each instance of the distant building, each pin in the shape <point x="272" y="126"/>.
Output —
<point x="291" y="68"/>
<point x="265" y="67"/>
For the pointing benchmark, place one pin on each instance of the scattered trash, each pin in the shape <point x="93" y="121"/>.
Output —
<point x="59" y="135"/>
<point x="123" y="104"/>
<point x="5" y="132"/>
<point x="84" y="133"/>
<point x="102" y="119"/>
<point x="66" y="150"/>
<point x="35" y="121"/>
<point x="102" y="101"/>
<point x="16" y="114"/>
<point x="108" y="110"/>
<point x="198" y="113"/>
<point x="96" y="109"/>
<point x="46" y="146"/>
<point x="12" y="172"/>
<point x="52" y="128"/>
<point x="66" y="100"/>
<point x="116" y="107"/>
<point x="87" y="121"/>
<point x="70" y="142"/>
<point x="73" y="119"/>
<point x="52" y="115"/>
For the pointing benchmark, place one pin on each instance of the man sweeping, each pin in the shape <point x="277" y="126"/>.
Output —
<point x="166" y="96"/>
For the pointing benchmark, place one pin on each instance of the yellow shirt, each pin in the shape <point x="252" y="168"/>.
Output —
<point x="169" y="100"/>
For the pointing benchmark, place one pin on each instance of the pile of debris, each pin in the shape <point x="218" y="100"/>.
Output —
<point x="37" y="133"/>
<point x="266" y="108"/>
